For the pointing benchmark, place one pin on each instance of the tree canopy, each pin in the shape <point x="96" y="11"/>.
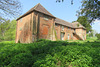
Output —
<point x="90" y="9"/>
<point x="11" y="8"/>
<point x="84" y="21"/>
<point x="7" y="30"/>
<point x="63" y="1"/>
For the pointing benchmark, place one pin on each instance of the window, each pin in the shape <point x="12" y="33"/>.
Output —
<point x="45" y="18"/>
<point x="68" y="28"/>
<point x="62" y="36"/>
<point x="63" y="28"/>
<point x="83" y="29"/>
<point x="74" y="30"/>
<point x="20" y="28"/>
<point x="56" y="24"/>
<point x="68" y="36"/>
<point x="21" y="20"/>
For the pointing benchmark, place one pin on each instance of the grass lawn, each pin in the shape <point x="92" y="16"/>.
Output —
<point x="46" y="53"/>
<point x="89" y="39"/>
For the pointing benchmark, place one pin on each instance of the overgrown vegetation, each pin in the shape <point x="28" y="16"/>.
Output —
<point x="90" y="9"/>
<point x="46" y="53"/>
<point x="7" y="30"/>
<point x="98" y="36"/>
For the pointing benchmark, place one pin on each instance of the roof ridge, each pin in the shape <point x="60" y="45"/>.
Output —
<point x="45" y="9"/>
<point x="36" y="6"/>
<point x="63" y="20"/>
<point x="75" y="24"/>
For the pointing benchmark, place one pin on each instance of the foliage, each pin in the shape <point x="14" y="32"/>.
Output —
<point x="8" y="30"/>
<point x="92" y="33"/>
<point x="63" y="1"/>
<point x="46" y="53"/>
<point x="84" y="21"/>
<point x="9" y="8"/>
<point x="90" y="9"/>
<point x="98" y="36"/>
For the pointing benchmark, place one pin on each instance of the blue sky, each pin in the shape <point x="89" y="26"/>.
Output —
<point x="64" y="10"/>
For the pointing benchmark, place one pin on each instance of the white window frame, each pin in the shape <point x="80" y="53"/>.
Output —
<point x="71" y="29"/>
<point x="68" y="36"/>
<point x="62" y="28"/>
<point x="56" y="24"/>
<point x="46" y="18"/>
<point x="68" y="28"/>
<point x="62" y="36"/>
<point x="20" y="28"/>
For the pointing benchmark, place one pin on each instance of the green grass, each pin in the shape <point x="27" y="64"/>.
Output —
<point x="89" y="39"/>
<point x="46" y="53"/>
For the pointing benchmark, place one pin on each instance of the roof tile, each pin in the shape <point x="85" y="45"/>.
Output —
<point x="38" y="8"/>
<point x="68" y="24"/>
<point x="41" y="9"/>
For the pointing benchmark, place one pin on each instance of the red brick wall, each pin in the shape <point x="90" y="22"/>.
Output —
<point x="75" y="37"/>
<point x="82" y="33"/>
<point x="58" y="31"/>
<point x="23" y="31"/>
<point x="67" y="31"/>
<point x="46" y="27"/>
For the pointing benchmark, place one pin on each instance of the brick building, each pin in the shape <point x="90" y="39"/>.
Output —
<point x="38" y="23"/>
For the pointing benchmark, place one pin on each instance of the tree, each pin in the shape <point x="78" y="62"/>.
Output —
<point x="11" y="8"/>
<point x="84" y="21"/>
<point x="94" y="33"/>
<point x="7" y="30"/>
<point x="98" y="36"/>
<point x="63" y="0"/>
<point x="3" y="28"/>
<point x="90" y="9"/>
<point x="10" y="33"/>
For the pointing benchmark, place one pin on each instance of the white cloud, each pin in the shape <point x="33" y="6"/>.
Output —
<point x="97" y="21"/>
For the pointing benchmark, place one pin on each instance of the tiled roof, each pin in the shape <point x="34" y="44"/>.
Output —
<point x="62" y="22"/>
<point x="41" y="9"/>
<point x="38" y="8"/>
<point x="68" y="24"/>
<point x="77" y="25"/>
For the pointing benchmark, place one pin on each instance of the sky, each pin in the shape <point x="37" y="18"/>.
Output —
<point x="63" y="10"/>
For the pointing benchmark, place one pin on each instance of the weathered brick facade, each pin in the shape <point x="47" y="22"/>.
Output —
<point x="38" y="23"/>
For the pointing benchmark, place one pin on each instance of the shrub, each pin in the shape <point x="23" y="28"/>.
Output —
<point x="22" y="60"/>
<point x="98" y="36"/>
<point x="46" y="53"/>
